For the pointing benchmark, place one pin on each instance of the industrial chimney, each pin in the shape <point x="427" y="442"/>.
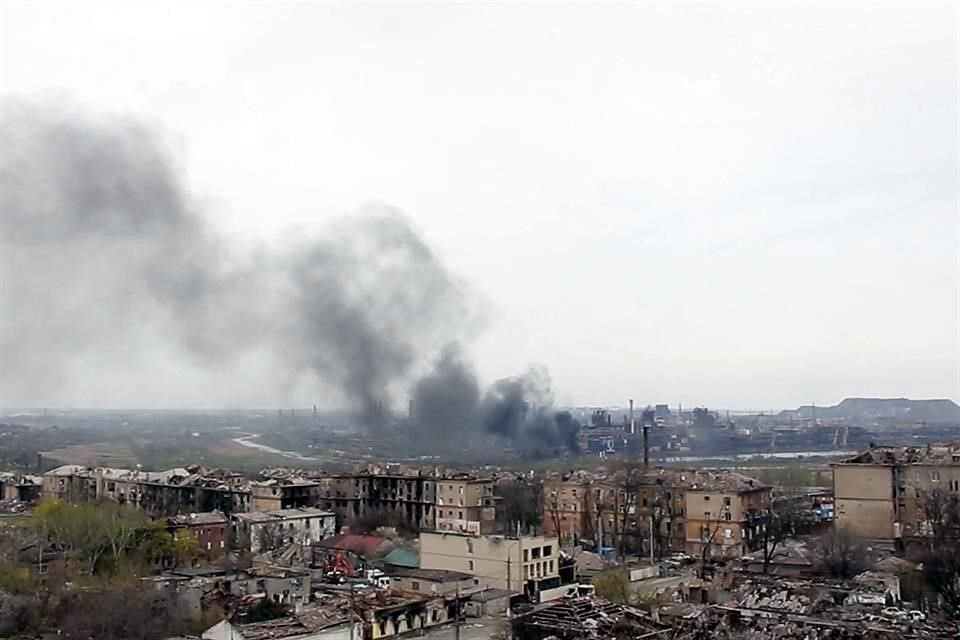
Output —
<point x="633" y="426"/>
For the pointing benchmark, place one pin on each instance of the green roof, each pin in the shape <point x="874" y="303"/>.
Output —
<point x="403" y="558"/>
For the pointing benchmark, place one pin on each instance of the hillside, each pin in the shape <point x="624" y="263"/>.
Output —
<point x="937" y="410"/>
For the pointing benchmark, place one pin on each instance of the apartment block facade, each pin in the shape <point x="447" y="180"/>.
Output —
<point x="522" y="563"/>
<point x="680" y="510"/>
<point x="158" y="493"/>
<point x="883" y="492"/>
<point x="465" y="504"/>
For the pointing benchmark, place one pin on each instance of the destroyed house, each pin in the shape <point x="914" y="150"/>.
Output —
<point x="576" y="618"/>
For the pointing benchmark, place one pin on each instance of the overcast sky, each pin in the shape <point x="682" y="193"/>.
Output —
<point x="743" y="206"/>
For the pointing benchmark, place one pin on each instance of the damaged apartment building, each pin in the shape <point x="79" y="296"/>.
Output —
<point x="883" y="493"/>
<point x="424" y="498"/>
<point x="158" y="493"/>
<point x="679" y="510"/>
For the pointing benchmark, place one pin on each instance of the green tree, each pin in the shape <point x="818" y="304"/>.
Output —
<point x="89" y="531"/>
<point x="160" y="546"/>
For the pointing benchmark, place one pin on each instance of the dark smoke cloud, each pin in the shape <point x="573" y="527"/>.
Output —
<point x="103" y="254"/>
<point x="448" y="402"/>
<point x="445" y="400"/>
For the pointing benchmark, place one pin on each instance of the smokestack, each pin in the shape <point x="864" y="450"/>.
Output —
<point x="648" y="417"/>
<point x="646" y="444"/>
<point x="633" y="426"/>
<point x="411" y="409"/>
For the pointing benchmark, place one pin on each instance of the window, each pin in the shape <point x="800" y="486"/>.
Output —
<point x="469" y="545"/>
<point x="471" y="565"/>
<point x="547" y="550"/>
<point x="706" y="498"/>
<point x="955" y="485"/>
<point x="726" y="516"/>
<point x="726" y="501"/>
<point x="460" y="514"/>
<point x="935" y="476"/>
<point x="526" y="555"/>
<point x="727" y="533"/>
<point x="535" y="553"/>
<point x="706" y="515"/>
<point x="415" y="585"/>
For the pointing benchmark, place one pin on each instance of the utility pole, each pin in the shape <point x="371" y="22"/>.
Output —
<point x="457" y="619"/>
<point x="353" y="613"/>
<point x="651" y="538"/>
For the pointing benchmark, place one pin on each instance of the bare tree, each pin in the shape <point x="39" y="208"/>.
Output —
<point x="706" y="543"/>
<point x="841" y="554"/>
<point x="942" y="513"/>
<point x="552" y="502"/>
<point x="941" y="563"/>
<point x="779" y="521"/>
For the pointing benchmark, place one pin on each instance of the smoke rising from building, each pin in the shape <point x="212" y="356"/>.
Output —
<point x="104" y="254"/>
<point x="448" y="403"/>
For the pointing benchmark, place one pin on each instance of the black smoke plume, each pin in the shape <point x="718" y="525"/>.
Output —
<point x="104" y="255"/>
<point x="448" y="403"/>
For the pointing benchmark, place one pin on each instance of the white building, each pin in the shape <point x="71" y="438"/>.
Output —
<point x="260" y="531"/>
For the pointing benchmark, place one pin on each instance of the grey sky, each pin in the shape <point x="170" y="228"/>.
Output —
<point x="747" y="206"/>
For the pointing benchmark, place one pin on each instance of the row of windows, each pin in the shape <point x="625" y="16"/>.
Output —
<point x="535" y="552"/>
<point x="538" y="569"/>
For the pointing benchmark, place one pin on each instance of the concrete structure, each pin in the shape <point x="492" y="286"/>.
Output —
<point x="725" y="512"/>
<point x="260" y="531"/>
<point x="672" y="507"/>
<point x="289" y="628"/>
<point x="882" y="492"/>
<point x="158" y="493"/>
<point x="285" y="493"/>
<point x="210" y="529"/>
<point x="432" y="581"/>
<point x="465" y="504"/>
<point x="378" y="492"/>
<point x="528" y="563"/>
<point x="18" y="487"/>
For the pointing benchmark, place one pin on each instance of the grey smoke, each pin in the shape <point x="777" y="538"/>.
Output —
<point x="103" y="253"/>
<point x="448" y="401"/>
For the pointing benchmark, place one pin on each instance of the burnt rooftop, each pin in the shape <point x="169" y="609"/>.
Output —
<point x="584" y="618"/>
<point x="934" y="454"/>
<point x="719" y="480"/>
